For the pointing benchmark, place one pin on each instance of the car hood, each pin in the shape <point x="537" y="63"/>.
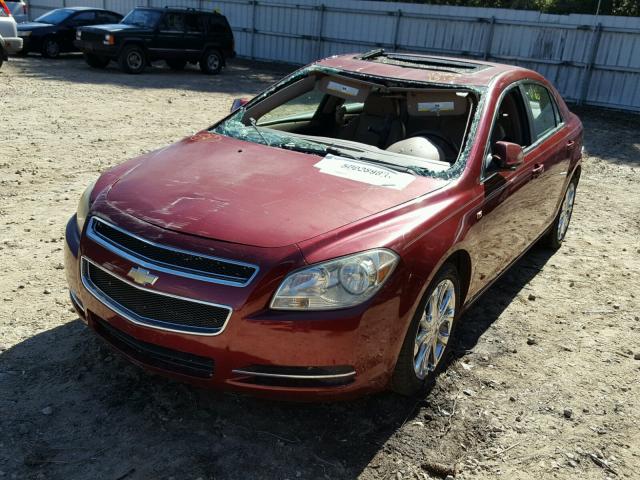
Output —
<point x="113" y="28"/>
<point x="236" y="191"/>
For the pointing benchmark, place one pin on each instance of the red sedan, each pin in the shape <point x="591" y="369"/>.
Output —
<point x="323" y="240"/>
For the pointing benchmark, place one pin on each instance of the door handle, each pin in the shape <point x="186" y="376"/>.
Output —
<point x="537" y="170"/>
<point x="571" y="144"/>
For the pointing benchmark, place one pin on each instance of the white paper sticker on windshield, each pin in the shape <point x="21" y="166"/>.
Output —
<point x="435" y="106"/>
<point x="344" y="89"/>
<point x="364" y="172"/>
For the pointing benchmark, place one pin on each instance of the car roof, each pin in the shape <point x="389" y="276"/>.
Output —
<point x="421" y="67"/>
<point x="178" y="9"/>
<point x="80" y="9"/>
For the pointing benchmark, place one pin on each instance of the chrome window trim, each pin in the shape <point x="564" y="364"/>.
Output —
<point x="165" y="267"/>
<point x="297" y="377"/>
<point x="533" y="145"/>
<point x="137" y="319"/>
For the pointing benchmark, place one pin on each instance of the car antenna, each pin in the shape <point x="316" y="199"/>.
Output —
<point x="254" y="125"/>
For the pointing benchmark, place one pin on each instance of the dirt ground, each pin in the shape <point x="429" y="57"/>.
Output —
<point x="543" y="383"/>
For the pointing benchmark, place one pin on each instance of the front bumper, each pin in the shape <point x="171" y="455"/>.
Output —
<point x="95" y="48"/>
<point x="12" y="44"/>
<point x="292" y="355"/>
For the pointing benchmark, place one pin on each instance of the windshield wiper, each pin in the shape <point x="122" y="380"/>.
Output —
<point x="253" y="123"/>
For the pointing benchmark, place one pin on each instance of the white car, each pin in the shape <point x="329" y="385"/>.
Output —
<point x="18" y="10"/>
<point x="10" y="43"/>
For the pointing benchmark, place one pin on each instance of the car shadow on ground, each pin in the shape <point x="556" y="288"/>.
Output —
<point x="109" y="419"/>
<point x="239" y="75"/>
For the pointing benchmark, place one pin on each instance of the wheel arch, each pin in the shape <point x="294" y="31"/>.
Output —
<point x="462" y="261"/>
<point x="216" y="47"/>
<point x="134" y="41"/>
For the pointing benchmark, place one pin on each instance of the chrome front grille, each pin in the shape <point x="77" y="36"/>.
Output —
<point x="150" y="307"/>
<point x="168" y="259"/>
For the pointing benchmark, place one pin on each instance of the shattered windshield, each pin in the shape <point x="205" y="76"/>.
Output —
<point x="424" y="131"/>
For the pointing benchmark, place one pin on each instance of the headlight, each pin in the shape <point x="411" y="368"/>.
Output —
<point x="78" y="35"/>
<point x="83" y="206"/>
<point x="109" y="39"/>
<point x="340" y="283"/>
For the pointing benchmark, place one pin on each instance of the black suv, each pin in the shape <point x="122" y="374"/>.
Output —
<point x="175" y="35"/>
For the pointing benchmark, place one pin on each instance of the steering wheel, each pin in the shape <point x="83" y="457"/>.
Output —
<point x="438" y="136"/>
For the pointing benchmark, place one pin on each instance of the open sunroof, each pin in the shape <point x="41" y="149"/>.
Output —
<point x="421" y="61"/>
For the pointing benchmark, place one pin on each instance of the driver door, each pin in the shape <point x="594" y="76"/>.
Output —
<point x="507" y="217"/>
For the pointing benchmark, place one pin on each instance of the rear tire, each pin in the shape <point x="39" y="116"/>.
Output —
<point x="211" y="62"/>
<point x="555" y="236"/>
<point x="132" y="59"/>
<point x="96" y="61"/>
<point x="176" y="64"/>
<point x="427" y="341"/>
<point x="50" y="48"/>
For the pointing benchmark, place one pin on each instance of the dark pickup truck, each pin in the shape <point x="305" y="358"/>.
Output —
<point x="175" y="35"/>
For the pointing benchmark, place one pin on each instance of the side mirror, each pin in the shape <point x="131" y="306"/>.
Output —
<point x="238" y="103"/>
<point x="508" y="155"/>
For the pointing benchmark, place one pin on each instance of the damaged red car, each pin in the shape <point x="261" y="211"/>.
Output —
<point x="322" y="241"/>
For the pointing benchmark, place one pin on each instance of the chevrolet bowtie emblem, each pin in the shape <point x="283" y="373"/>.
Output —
<point x="142" y="276"/>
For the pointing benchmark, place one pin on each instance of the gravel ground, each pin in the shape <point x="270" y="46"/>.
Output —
<point x="543" y="383"/>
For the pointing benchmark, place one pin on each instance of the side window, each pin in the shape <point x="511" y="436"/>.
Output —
<point x="108" y="18"/>
<point x="305" y="105"/>
<point x="216" y="25"/>
<point x="543" y="110"/>
<point x="511" y="124"/>
<point x="194" y="25"/>
<point x="83" y="18"/>
<point x="172" y="22"/>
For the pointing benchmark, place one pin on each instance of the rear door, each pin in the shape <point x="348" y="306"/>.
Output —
<point x="551" y="151"/>
<point x="169" y="41"/>
<point x="194" y="34"/>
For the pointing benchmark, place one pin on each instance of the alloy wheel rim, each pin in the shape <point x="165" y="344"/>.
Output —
<point x="52" y="48"/>
<point x="213" y="61"/>
<point x="134" y="60"/>
<point x="434" y="329"/>
<point x="566" y="210"/>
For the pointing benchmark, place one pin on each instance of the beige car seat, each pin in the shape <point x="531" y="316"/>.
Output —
<point x="379" y="123"/>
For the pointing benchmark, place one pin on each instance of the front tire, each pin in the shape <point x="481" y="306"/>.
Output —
<point x="96" y="61"/>
<point x="50" y="48"/>
<point x="132" y="59"/>
<point x="427" y="340"/>
<point x="211" y="62"/>
<point x="555" y="236"/>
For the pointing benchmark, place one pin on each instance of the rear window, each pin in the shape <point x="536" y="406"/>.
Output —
<point x="194" y="23"/>
<point x="104" y="17"/>
<point x="172" y="22"/>
<point x="217" y="24"/>
<point x="543" y="110"/>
